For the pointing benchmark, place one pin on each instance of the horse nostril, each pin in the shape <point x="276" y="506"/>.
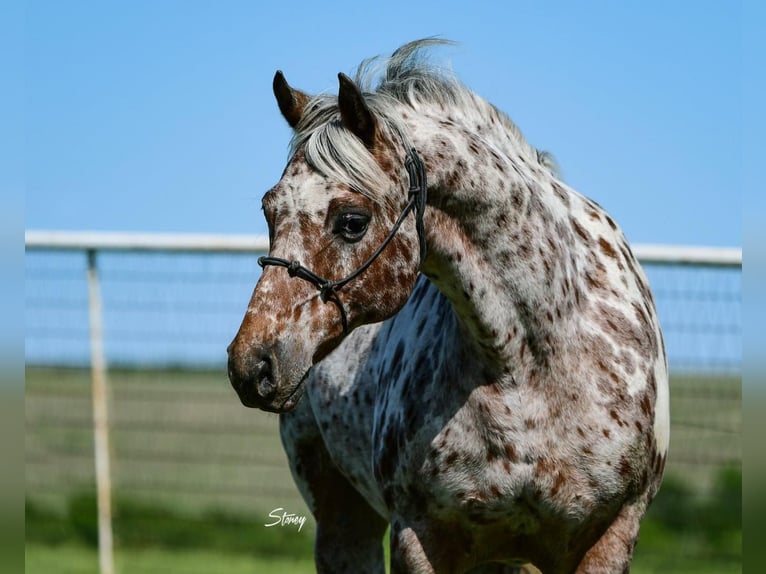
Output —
<point x="252" y="376"/>
<point x="264" y="379"/>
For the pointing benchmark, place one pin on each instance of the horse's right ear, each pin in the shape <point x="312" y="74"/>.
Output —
<point x="355" y="113"/>
<point x="291" y="102"/>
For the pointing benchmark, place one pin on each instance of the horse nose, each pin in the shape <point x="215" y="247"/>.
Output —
<point x="252" y="376"/>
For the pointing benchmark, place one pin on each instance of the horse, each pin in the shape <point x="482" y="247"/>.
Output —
<point x="460" y="346"/>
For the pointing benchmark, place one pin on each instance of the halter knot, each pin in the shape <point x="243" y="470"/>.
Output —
<point x="326" y="290"/>
<point x="293" y="268"/>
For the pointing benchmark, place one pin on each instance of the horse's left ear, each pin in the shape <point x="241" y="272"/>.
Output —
<point x="291" y="102"/>
<point x="354" y="112"/>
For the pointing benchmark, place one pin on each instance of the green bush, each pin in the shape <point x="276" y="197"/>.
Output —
<point x="721" y="517"/>
<point x="709" y="527"/>
<point x="82" y="513"/>
<point x="43" y="525"/>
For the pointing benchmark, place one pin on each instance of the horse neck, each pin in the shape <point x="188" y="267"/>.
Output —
<point x="498" y="225"/>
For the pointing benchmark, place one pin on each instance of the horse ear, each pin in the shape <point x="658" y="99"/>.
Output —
<point x="354" y="112"/>
<point x="291" y="102"/>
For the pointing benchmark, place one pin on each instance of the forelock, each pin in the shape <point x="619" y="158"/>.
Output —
<point x="338" y="154"/>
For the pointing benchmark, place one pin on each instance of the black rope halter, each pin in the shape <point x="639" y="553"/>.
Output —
<point x="328" y="290"/>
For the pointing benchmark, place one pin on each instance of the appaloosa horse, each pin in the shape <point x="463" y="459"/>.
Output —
<point x="477" y="345"/>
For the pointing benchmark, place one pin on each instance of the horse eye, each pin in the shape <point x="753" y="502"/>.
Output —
<point x="351" y="226"/>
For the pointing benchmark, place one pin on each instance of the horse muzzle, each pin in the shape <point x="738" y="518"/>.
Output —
<point x="254" y="375"/>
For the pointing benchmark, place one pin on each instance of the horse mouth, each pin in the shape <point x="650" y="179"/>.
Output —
<point x="290" y="402"/>
<point x="295" y="396"/>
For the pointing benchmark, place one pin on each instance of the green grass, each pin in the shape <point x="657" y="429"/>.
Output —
<point x="77" y="559"/>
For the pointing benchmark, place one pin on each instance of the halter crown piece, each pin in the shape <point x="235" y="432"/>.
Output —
<point x="328" y="290"/>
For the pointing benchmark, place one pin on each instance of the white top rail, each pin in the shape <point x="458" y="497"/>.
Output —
<point x="688" y="255"/>
<point x="209" y="243"/>
<point x="118" y="241"/>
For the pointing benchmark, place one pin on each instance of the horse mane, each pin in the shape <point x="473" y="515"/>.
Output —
<point x="404" y="78"/>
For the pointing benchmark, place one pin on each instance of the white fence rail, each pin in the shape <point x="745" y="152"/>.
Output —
<point x="165" y="242"/>
<point x="201" y="243"/>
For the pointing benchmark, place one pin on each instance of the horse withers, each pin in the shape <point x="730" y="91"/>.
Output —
<point x="459" y="344"/>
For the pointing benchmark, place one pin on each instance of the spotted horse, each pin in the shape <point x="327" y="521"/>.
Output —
<point x="459" y="345"/>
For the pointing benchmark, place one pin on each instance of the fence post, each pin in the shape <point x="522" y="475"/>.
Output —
<point x="100" y="420"/>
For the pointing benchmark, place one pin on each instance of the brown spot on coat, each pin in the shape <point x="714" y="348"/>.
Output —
<point x="607" y="248"/>
<point x="625" y="467"/>
<point x="646" y="405"/>
<point x="580" y="230"/>
<point x="561" y="194"/>
<point x="510" y="453"/>
<point x="558" y="482"/>
<point x="617" y="418"/>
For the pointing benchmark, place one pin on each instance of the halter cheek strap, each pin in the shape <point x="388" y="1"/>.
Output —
<point x="328" y="290"/>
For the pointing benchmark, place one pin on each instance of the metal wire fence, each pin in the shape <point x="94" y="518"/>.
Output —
<point x="178" y="432"/>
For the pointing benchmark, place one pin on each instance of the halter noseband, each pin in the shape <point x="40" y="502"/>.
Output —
<point x="328" y="290"/>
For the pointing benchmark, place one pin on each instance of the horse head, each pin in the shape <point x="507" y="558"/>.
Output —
<point x="343" y="248"/>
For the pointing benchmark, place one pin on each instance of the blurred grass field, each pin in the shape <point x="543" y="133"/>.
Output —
<point x="195" y="475"/>
<point x="76" y="559"/>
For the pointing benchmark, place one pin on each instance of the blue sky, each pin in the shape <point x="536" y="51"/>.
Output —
<point x="159" y="116"/>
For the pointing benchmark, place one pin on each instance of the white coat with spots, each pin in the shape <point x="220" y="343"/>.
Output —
<point x="503" y="402"/>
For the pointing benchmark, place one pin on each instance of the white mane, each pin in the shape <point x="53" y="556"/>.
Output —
<point x="405" y="78"/>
